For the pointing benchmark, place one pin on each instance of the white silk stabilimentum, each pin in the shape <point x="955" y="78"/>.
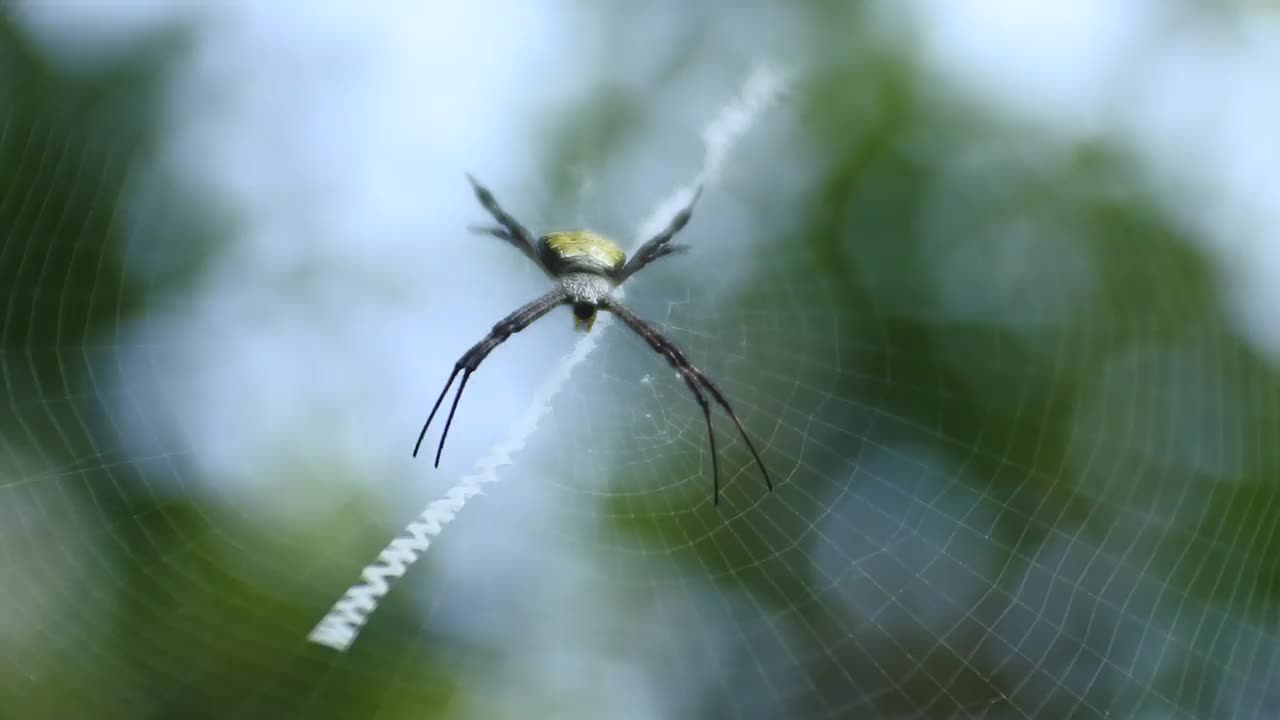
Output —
<point x="339" y="627"/>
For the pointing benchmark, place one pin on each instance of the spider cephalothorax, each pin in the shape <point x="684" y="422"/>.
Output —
<point x="587" y="267"/>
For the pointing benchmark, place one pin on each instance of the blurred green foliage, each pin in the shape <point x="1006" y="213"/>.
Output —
<point x="191" y="637"/>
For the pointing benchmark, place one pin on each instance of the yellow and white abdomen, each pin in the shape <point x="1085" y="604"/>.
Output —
<point x="580" y="251"/>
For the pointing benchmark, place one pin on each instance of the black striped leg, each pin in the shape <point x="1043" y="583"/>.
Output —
<point x="693" y="377"/>
<point x="509" y="228"/>
<point x="657" y="246"/>
<point x="467" y="364"/>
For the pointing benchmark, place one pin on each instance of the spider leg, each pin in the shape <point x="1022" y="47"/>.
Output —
<point x="692" y="376"/>
<point x="692" y="381"/>
<point x="493" y="230"/>
<point x="471" y="359"/>
<point x="657" y="246"/>
<point x="456" y="369"/>
<point x="509" y="228"/>
<point x="724" y="403"/>
<point x="452" y="409"/>
<point x="502" y="234"/>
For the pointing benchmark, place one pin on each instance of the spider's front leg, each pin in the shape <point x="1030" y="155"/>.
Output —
<point x="509" y="229"/>
<point x="658" y="246"/>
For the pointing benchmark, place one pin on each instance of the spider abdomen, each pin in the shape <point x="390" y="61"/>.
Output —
<point x="584" y="292"/>
<point x="580" y="251"/>
<point x="585" y="288"/>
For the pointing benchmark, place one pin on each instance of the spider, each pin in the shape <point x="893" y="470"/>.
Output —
<point x="586" y="268"/>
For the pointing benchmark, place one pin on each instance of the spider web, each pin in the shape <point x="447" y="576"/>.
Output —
<point x="1016" y="475"/>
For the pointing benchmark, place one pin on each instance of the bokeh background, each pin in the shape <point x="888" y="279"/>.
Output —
<point x="995" y="286"/>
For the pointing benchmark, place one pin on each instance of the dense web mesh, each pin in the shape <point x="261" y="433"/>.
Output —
<point x="1048" y="493"/>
